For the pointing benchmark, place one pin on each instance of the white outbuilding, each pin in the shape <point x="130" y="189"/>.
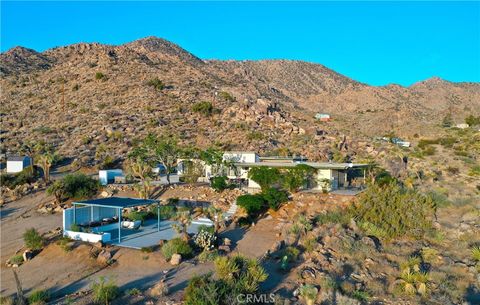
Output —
<point x="107" y="176"/>
<point x="16" y="164"/>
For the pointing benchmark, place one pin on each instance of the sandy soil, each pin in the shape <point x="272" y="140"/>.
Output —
<point x="17" y="216"/>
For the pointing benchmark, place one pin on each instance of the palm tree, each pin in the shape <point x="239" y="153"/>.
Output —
<point x="183" y="219"/>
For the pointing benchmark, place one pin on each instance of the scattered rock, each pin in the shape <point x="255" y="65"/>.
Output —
<point x="28" y="255"/>
<point x="159" y="289"/>
<point x="224" y="248"/>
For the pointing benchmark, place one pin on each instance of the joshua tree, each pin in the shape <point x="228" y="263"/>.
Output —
<point x="184" y="219"/>
<point x="141" y="170"/>
<point x="47" y="157"/>
<point x="212" y="213"/>
<point x="162" y="150"/>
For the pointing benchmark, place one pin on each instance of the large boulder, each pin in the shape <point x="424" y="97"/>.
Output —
<point x="104" y="257"/>
<point x="176" y="259"/>
<point x="28" y="255"/>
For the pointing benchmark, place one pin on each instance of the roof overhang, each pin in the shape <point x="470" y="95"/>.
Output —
<point x="116" y="202"/>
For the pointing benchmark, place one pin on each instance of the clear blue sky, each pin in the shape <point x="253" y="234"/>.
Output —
<point x="374" y="42"/>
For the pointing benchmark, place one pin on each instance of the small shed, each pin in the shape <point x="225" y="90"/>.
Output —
<point x="462" y="126"/>
<point x="107" y="176"/>
<point x="16" y="164"/>
<point x="324" y="117"/>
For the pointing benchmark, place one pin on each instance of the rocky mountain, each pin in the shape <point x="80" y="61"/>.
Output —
<point x="88" y="95"/>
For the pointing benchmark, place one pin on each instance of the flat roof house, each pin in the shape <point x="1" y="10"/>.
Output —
<point x="16" y="164"/>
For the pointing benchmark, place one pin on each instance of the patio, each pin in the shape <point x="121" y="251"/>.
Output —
<point x="148" y="234"/>
<point x="101" y="220"/>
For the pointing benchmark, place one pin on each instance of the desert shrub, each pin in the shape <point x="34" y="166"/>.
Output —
<point x="156" y="83"/>
<point x="12" y="181"/>
<point x="33" y="240"/>
<point x="205" y="290"/>
<point x="133" y="292"/>
<point x="99" y="75"/>
<point x="310" y="244"/>
<point x="146" y="249"/>
<point x="243" y="273"/>
<point x="226" y="96"/>
<point x="205" y="240"/>
<point x="474" y="171"/>
<point x="38" y="297"/>
<point x="233" y="276"/>
<point x="64" y="244"/>
<point x="75" y="227"/>
<point x="453" y="170"/>
<point x="74" y="186"/>
<point x="209" y="229"/>
<point x="384" y="178"/>
<point x="395" y="211"/>
<point x="204" y="107"/>
<point x="176" y="246"/>
<point x="208" y="256"/>
<point x="253" y="204"/>
<point x="424" y="143"/>
<point x="166" y="211"/>
<point x="429" y="151"/>
<point x="264" y="176"/>
<point x="173" y="201"/>
<point x="255" y="135"/>
<point x="219" y="183"/>
<point x="16" y="259"/>
<point x="309" y="293"/>
<point x="337" y="216"/>
<point x="6" y="300"/>
<point x="291" y="253"/>
<point x="137" y="215"/>
<point x="471" y="120"/>
<point x="104" y="290"/>
<point x="274" y="197"/>
<point x="447" y="142"/>
<point x="476" y="253"/>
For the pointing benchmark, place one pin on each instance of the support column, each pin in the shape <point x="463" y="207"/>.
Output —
<point x="119" y="225"/>
<point x="158" y="216"/>
<point x="91" y="213"/>
<point x="74" y="213"/>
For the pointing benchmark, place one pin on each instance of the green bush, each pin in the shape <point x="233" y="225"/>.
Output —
<point x="295" y="178"/>
<point x="75" y="227"/>
<point x="384" y="178"/>
<point x="395" y="211"/>
<point x="209" y="229"/>
<point x="104" y="291"/>
<point x="12" y="181"/>
<point x="176" y="246"/>
<point x="264" y="176"/>
<point x="135" y="215"/>
<point x="33" y="240"/>
<point x="38" y="297"/>
<point x="99" y="75"/>
<point x="205" y="290"/>
<point x="16" y="259"/>
<point x="275" y="198"/>
<point x="204" y="107"/>
<point x="219" y="183"/>
<point x="166" y="211"/>
<point x="64" y="244"/>
<point x="474" y="171"/>
<point x="253" y="204"/>
<point x="338" y="216"/>
<point x="74" y="186"/>
<point x="156" y="83"/>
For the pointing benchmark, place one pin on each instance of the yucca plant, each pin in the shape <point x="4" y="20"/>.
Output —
<point x="407" y="281"/>
<point x="309" y="293"/>
<point x="476" y="253"/>
<point x="421" y="281"/>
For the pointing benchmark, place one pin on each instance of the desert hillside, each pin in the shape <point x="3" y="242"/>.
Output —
<point x="85" y="94"/>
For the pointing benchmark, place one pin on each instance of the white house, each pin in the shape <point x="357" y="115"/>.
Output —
<point x="16" y="164"/>
<point x="107" y="176"/>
